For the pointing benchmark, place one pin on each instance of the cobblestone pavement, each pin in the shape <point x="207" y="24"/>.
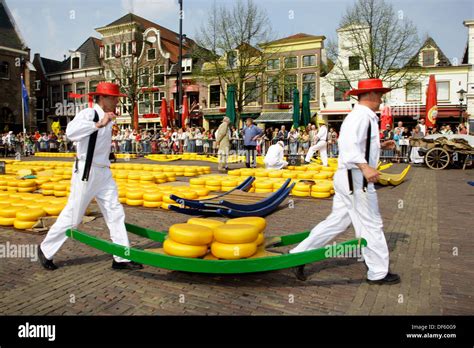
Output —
<point x="428" y="225"/>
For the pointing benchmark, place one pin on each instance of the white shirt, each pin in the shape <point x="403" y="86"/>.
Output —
<point x="79" y="129"/>
<point x="322" y="133"/>
<point x="274" y="155"/>
<point x="353" y="136"/>
<point x="422" y="128"/>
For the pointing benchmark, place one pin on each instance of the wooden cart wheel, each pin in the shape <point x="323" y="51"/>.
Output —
<point x="437" y="158"/>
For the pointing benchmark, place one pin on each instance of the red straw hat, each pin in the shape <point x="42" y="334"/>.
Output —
<point x="108" y="89"/>
<point x="369" y="85"/>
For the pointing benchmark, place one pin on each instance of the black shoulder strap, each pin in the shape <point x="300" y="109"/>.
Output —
<point x="367" y="151"/>
<point x="90" y="151"/>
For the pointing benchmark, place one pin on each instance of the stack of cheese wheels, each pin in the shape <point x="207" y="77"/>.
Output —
<point x="238" y="238"/>
<point x="188" y="240"/>
<point x="322" y="189"/>
<point x="27" y="218"/>
<point x="8" y="214"/>
<point x="152" y="199"/>
<point x="301" y="189"/>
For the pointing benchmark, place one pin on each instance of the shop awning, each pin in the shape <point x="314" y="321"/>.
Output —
<point x="277" y="117"/>
<point x="221" y="116"/>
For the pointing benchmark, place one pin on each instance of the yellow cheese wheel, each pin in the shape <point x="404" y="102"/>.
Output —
<point x="34" y="206"/>
<point x="19" y="203"/>
<point x="205" y="222"/>
<point x="256" y="221"/>
<point x="153" y="197"/>
<point x="30" y="214"/>
<point x="53" y="209"/>
<point x="328" y="173"/>
<point x="321" y="188"/>
<point x="26" y="183"/>
<point x="320" y="176"/>
<point x="233" y="251"/>
<point x="123" y="200"/>
<point x="10" y="211"/>
<point x="202" y="191"/>
<point x="297" y="193"/>
<point x="184" y="250"/>
<point x="47" y="192"/>
<point x="23" y="225"/>
<point x="147" y="178"/>
<point x="60" y="193"/>
<point x="26" y="189"/>
<point x="213" y="188"/>
<point x="191" y="234"/>
<point x="305" y="175"/>
<point x="260" y="239"/>
<point x="290" y="175"/>
<point x="60" y="187"/>
<point x="167" y="199"/>
<point x="320" y="194"/>
<point x="303" y="187"/>
<point x="134" y="195"/>
<point x="229" y="183"/>
<point x="6" y="221"/>
<point x="197" y="181"/>
<point x="275" y="174"/>
<point x="236" y="233"/>
<point x="189" y="195"/>
<point x="264" y="185"/>
<point x="134" y="202"/>
<point x="149" y="204"/>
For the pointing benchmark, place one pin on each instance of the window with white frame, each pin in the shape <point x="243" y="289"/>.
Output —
<point x="273" y="89"/>
<point x="159" y="75"/>
<point x="442" y="90"/>
<point x="109" y="75"/>
<point x="37" y="85"/>
<point x="81" y="89"/>
<point x="413" y="91"/>
<point x="186" y="65"/>
<point x="144" y="76"/>
<point x="157" y="97"/>
<point x="107" y="51"/>
<point x="112" y="51"/>
<point x="428" y="58"/>
<point x="151" y="54"/>
<point x="75" y="63"/>
<point x="309" y="84"/>
<point x="144" y="103"/>
<point x="126" y="106"/>
<point x="67" y="88"/>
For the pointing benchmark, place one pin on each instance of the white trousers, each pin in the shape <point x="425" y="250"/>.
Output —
<point x="276" y="165"/>
<point x="415" y="157"/>
<point x="101" y="186"/>
<point x="223" y="155"/>
<point x="322" y="147"/>
<point x="362" y="210"/>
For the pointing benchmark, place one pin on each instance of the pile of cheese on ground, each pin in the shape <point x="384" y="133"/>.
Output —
<point x="213" y="240"/>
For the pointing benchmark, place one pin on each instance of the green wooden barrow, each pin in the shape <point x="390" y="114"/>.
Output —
<point x="262" y="264"/>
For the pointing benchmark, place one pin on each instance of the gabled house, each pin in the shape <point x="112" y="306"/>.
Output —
<point x="14" y="62"/>
<point x="78" y="73"/>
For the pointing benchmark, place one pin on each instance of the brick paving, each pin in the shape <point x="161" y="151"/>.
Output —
<point x="428" y="237"/>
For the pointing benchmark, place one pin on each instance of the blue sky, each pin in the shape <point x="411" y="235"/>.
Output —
<point x="53" y="27"/>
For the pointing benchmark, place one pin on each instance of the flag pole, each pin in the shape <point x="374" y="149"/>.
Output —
<point x="22" y="105"/>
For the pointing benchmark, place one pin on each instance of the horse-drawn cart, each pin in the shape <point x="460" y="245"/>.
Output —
<point x="440" y="150"/>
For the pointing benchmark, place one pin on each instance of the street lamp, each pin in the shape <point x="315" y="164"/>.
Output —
<point x="461" y="94"/>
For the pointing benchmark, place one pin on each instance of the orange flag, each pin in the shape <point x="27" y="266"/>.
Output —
<point x="431" y="103"/>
